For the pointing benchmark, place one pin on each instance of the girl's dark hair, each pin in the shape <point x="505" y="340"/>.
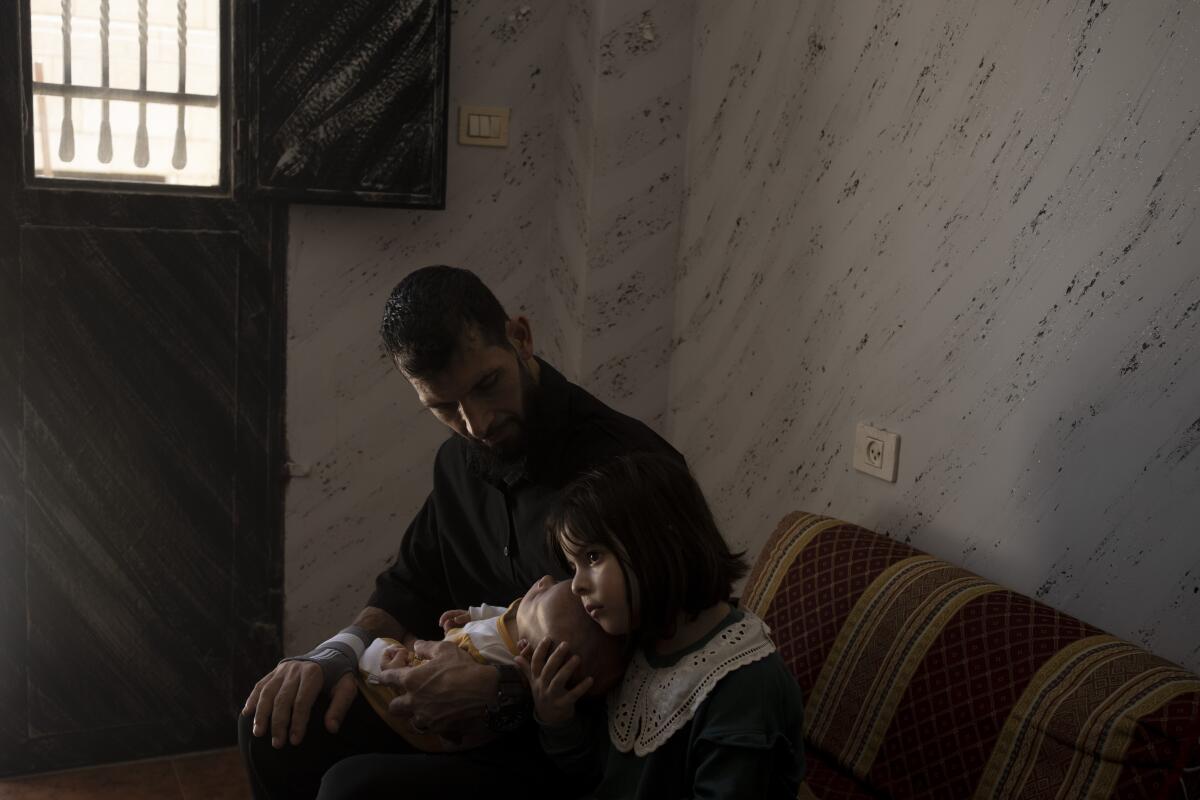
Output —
<point x="648" y="510"/>
<point x="428" y="312"/>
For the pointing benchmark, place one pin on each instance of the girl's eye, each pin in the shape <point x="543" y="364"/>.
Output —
<point x="592" y="557"/>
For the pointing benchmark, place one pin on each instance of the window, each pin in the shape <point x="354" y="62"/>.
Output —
<point x="126" y="90"/>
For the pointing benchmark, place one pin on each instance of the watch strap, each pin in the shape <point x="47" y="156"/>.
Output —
<point x="512" y="705"/>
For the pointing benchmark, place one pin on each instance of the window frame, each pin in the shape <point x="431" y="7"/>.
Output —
<point x="230" y="145"/>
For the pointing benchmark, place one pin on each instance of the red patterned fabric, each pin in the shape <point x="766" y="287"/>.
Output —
<point x="960" y="696"/>
<point x="923" y="680"/>
<point x="823" y="781"/>
<point x="812" y="605"/>
<point x="1164" y="737"/>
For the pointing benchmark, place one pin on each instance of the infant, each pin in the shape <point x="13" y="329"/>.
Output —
<point x="490" y="634"/>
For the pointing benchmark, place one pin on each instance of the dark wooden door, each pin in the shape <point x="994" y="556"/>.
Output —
<point x="140" y="443"/>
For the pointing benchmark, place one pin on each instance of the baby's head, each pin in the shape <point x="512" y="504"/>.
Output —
<point x="550" y="611"/>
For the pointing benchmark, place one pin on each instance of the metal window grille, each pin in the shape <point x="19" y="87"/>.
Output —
<point x="139" y="94"/>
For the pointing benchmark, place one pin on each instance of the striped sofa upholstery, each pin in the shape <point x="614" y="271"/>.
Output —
<point x="922" y="680"/>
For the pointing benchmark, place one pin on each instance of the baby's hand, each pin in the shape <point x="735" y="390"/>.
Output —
<point x="454" y="618"/>
<point x="395" y="657"/>
<point x="548" y="670"/>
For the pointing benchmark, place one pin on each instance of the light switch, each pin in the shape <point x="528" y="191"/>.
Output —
<point x="479" y="125"/>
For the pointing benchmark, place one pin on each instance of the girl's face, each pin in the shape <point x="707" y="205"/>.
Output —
<point x="599" y="582"/>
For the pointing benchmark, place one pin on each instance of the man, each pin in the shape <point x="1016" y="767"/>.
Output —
<point x="522" y="432"/>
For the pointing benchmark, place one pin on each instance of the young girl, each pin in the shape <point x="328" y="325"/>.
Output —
<point x="707" y="708"/>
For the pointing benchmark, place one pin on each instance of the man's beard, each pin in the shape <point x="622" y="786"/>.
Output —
<point x="493" y="464"/>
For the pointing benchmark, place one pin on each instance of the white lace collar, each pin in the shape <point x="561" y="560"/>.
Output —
<point x="651" y="704"/>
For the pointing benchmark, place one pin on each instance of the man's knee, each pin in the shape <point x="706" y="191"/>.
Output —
<point x="381" y="775"/>
<point x="350" y="779"/>
<point x="248" y="743"/>
<point x="259" y="748"/>
<point x="246" y="737"/>
<point x="250" y="746"/>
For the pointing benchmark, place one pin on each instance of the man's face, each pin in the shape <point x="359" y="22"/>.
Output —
<point x="483" y="393"/>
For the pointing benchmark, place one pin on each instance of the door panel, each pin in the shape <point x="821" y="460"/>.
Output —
<point x="12" y="459"/>
<point x="130" y="373"/>
<point x="144" y="514"/>
<point x="141" y="375"/>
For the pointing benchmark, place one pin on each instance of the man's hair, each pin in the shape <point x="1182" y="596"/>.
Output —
<point x="648" y="510"/>
<point x="429" y="311"/>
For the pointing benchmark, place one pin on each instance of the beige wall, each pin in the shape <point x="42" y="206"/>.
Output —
<point x="973" y="224"/>
<point x="578" y="215"/>
<point x="754" y="224"/>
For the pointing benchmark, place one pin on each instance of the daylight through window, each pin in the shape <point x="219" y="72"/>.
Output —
<point x="127" y="90"/>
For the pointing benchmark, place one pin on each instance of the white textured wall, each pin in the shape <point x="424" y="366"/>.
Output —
<point x="619" y="196"/>
<point x="754" y="224"/>
<point x="575" y="224"/>
<point x="641" y="73"/>
<point x="973" y="224"/>
<point x="567" y="261"/>
<point x="351" y="416"/>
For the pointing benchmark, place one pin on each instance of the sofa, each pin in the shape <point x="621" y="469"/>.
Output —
<point x="922" y="680"/>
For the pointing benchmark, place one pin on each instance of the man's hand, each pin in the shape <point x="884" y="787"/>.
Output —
<point x="454" y="618"/>
<point x="548" y="670"/>
<point x="283" y="699"/>
<point x="448" y="694"/>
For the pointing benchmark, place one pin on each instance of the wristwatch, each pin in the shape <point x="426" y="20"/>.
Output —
<point x="511" y="708"/>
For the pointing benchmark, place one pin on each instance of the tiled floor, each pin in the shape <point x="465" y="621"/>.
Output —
<point x="216" y="775"/>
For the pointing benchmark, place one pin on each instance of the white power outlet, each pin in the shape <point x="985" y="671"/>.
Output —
<point x="876" y="452"/>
